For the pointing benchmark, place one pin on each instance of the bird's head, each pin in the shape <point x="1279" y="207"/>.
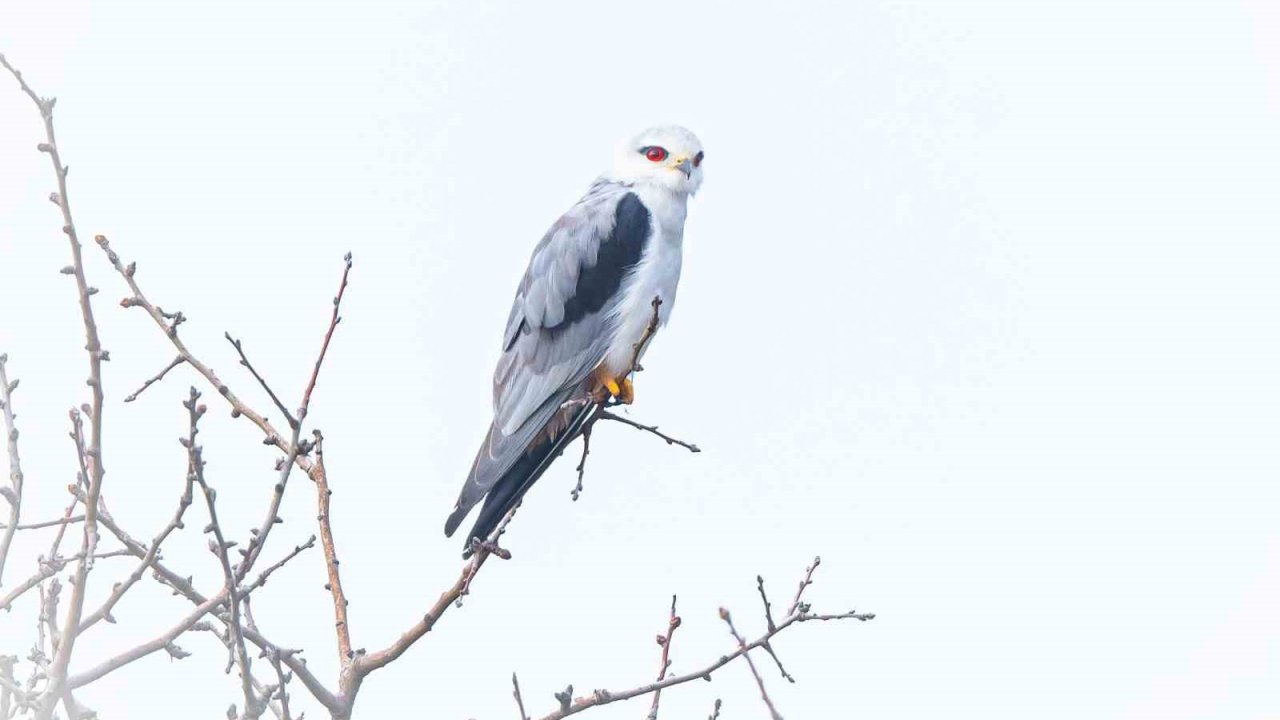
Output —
<point x="667" y="155"/>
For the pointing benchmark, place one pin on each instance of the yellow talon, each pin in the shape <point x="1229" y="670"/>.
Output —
<point x="605" y="386"/>
<point x="619" y="389"/>
<point x="626" y="392"/>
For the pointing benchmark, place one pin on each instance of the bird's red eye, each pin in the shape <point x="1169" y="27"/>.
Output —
<point x="697" y="159"/>
<point x="655" y="153"/>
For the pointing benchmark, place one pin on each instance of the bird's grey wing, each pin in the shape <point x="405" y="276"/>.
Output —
<point x="560" y="326"/>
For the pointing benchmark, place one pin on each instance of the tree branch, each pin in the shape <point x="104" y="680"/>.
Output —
<point x="334" y="586"/>
<point x="75" y="607"/>
<point x="653" y="429"/>
<point x="138" y="652"/>
<point x="665" y="641"/>
<point x="155" y="379"/>
<point x="219" y="547"/>
<point x="13" y="493"/>
<point x="605" y="697"/>
<point x="182" y="586"/>
<point x="153" y="552"/>
<point x="742" y="644"/>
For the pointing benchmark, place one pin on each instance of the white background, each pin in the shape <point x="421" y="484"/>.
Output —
<point x="980" y="304"/>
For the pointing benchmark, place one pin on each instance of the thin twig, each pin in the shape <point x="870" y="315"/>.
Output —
<point x="637" y="350"/>
<point x="238" y="407"/>
<point x="665" y="641"/>
<point x="606" y="415"/>
<point x="282" y="693"/>
<point x="46" y="523"/>
<point x="195" y="470"/>
<point x="294" y="451"/>
<point x="13" y="493"/>
<point x="140" y="651"/>
<point x="157" y="378"/>
<point x="586" y="450"/>
<point x="768" y="610"/>
<point x="804" y="583"/>
<point x="183" y="586"/>
<point x="244" y="360"/>
<point x="768" y="616"/>
<point x="262" y="576"/>
<point x="153" y="552"/>
<point x="515" y="692"/>
<point x="265" y="692"/>
<point x="742" y="644"/>
<point x="328" y="336"/>
<point x="48" y="568"/>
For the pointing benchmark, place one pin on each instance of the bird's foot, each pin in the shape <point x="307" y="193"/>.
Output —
<point x="610" y="390"/>
<point x="621" y="390"/>
<point x="489" y="547"/>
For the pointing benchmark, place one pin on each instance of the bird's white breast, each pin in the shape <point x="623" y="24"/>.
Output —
<point x="656" y="275"/>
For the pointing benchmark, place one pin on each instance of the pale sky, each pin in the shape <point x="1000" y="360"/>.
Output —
<point x="979" y="304"/>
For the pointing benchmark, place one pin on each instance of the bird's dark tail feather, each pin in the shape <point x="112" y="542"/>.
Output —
<point x="515" y="482"/>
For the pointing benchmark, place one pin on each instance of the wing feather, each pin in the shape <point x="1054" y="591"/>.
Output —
<point x="559" y="328"/>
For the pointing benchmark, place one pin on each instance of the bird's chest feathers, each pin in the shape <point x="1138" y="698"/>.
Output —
<point x="656" y="275"/>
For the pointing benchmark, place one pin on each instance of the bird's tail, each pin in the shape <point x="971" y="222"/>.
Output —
<point x="516" y="481"/>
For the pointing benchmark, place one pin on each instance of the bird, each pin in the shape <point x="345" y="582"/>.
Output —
<point x="581" y="317"/>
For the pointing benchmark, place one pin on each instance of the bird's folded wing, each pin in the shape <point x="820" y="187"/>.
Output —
<point x="560" y="325"/>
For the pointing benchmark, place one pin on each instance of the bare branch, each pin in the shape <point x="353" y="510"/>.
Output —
<point x="515" y="693"/>
<point x="153" y="552"/>
<point x="195" y="471"/>
<point x="244" y="361"/>
<point x="606" y="415"/>
<point x="182" y="586"/>
<point x="365" y="664"/>
<point x="46" y="523"/>
<point x="282" y="694"/>
<point x="649" y="331"/>
<point x="9" y="688"/>
<point x="137" y="652"/>
<point x="665" y="641"/>
<point x="768" y="611"/>
<point x="804" y="583"/>
<point x="48" y="568"/>
<point x="262" y="577"/>
<point x="334" y="586"/>
<point x="13" y="493"/>
<point x="97" y="355"/>
<point x="238" y="407"/>
<point x="604" y="697"/>
<point x="768" y="616"/>
<point x="328" y="336"/>
<point x="153" y="380"/>
<point x="742" y="644"/>
<point x="586" y="450"/>
<point x="295" y="450"/>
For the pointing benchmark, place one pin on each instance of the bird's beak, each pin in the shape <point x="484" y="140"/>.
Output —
<point x="684" y="165"/>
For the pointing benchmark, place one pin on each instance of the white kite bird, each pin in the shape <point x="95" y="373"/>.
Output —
<point x="584" y="304"/>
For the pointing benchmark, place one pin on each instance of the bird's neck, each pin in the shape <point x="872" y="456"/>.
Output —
<point x="668" y="207"/>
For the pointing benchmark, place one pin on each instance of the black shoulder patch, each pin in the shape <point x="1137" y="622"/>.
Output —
<point x="619" y="252"/>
